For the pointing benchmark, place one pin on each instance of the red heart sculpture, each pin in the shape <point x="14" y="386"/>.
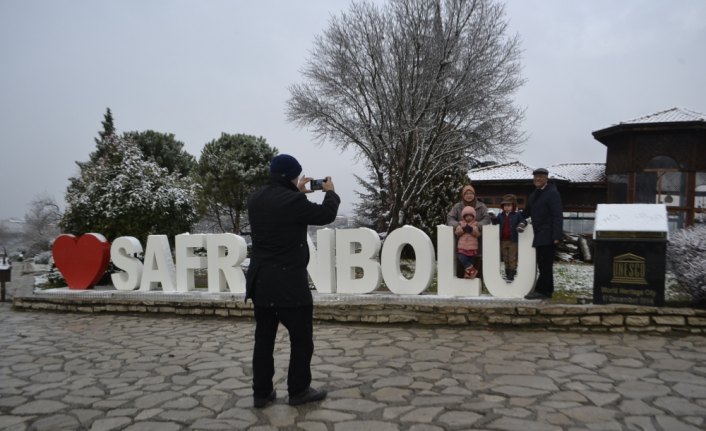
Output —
<point x="81" y="261"/>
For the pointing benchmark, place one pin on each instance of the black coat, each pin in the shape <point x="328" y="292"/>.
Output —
<point x="545" y="208"/>
<point x="279" y="216"/>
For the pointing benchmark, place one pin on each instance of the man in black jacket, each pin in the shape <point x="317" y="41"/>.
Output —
<point x="545" y="208"/>
<point x="277" y="279"/>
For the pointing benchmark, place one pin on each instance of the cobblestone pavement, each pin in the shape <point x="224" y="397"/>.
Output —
<point x="127" y="372"/>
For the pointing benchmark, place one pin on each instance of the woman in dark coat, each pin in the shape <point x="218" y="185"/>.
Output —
<point x="277" y="279"/>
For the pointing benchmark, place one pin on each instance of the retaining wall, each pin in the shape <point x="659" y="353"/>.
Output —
<point x="482" y="313"/>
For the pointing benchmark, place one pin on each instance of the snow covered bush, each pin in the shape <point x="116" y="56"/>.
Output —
<point x="43" y="258"/>
<point x="122" y="194"/>
<point x="686" y="259"/>
<point x="54" y="278"/>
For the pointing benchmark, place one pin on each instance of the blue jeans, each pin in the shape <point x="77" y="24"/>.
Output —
<point x="466" y="261"/>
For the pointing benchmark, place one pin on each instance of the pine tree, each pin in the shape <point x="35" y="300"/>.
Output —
<point x="229" y="169"/>
<point x="108" y="130"/>
<point x="164" y="149"/>
<point x="108" y="126"/>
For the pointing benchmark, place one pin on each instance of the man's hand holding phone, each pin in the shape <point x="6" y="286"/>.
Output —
<point x="317" y="184"/>
<point x="323" y="184"/>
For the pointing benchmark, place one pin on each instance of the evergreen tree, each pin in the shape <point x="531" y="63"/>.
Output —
<point x="163" y="149"/>
<point x="229" y="169"/>
<point x="108" y="126"/>
<point x="431" y="206"/>
<point x="428" y="210"/>
<point x="122" y="194"/>
<point x="108" y="130"/>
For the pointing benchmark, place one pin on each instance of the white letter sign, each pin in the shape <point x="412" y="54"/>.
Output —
<point x="390" y="261"/>
<point x="348" y="258"/>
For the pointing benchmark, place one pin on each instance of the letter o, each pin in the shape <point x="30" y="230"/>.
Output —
<point x="390" y="261"/>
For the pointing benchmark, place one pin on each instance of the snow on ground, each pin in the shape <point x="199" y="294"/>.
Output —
<point x="576" y="279"/>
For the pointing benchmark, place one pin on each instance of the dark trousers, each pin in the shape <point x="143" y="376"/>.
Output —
<point x="545" y="265"/>
<point x="298" y="321"/>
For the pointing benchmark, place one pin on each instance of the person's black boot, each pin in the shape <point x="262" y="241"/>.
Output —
<point x="536" y="295"/>
<point x="510" y="275"/>
<point x="262" y="402"/>
<point x="308" y="395"/>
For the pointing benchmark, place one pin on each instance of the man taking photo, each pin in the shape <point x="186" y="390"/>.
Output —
<point x="277" y="279"/>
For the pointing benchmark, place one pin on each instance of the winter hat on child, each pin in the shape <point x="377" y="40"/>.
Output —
<point x="285" y="166"/>
<point x="509" y="199"/>
<point x="468" y="210"/>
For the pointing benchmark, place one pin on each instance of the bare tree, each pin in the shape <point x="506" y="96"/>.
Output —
<point x="4" y="233"/>
<point x="41" y="223"/>
<point x="415" y="88"/>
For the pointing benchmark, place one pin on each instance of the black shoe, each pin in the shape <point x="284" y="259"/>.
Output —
<point x="309" y="395"/>
<point x="262" y="402"/>
<point x="536" y="295"/>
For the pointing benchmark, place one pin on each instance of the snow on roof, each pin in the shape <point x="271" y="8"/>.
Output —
<point x="505" y="171"/>
<point x="669" y="116"/>
<point x="581" y="172"/>
<point x="571" y="172"/>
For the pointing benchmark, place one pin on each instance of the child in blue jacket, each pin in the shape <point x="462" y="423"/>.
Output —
<point x="511" y="221"/>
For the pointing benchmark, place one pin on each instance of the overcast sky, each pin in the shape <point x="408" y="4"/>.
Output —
<point x="200" y="68"/>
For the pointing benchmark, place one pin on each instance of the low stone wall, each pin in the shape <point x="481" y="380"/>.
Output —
<point x="482" y="313"/>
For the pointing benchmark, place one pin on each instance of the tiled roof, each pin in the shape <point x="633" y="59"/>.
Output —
<point x="571" y="172"/>
<point x="581" y="172"/>
<point x="669" y="116"/>
<point x="505" y="171"/>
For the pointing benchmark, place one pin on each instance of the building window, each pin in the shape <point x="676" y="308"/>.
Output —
<point x="661" y="182"/>
<point x="618" y="188"/>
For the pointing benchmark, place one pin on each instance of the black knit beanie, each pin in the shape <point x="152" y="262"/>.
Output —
<point x="285" y="166"/>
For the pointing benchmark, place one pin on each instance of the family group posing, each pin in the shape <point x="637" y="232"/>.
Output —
<point x="543" y="211"/>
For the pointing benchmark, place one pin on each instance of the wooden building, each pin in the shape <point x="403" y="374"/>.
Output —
<point x="659" y="158"/>
<point x="581" y="186"/>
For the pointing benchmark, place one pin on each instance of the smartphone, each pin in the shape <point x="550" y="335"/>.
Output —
<point x="318" y="184"/>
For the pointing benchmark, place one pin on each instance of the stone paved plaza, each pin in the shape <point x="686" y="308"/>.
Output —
<point x="144" y="372"/>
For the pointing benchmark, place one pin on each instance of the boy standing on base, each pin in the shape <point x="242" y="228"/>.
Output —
<point x="511" y="222"/>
